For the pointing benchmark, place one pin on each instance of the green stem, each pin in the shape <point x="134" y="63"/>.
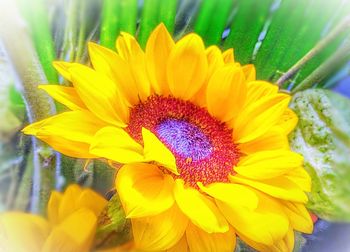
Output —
<point x="339" y="29"/>
<point x="326" y="68"/>
<point x="82" y="31"/>
<point x="21" y="51"/>
<point x="70" y="34"/>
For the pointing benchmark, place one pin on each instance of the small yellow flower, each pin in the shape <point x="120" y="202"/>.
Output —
<point x="70" y="226"/>
<point x="204" y="144"/>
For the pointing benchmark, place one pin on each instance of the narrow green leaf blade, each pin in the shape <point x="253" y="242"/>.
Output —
<point x="212" y="19"/>
<point x="117" y="16"/>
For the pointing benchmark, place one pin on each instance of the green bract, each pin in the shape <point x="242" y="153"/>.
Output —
<point x="322" y="136"/>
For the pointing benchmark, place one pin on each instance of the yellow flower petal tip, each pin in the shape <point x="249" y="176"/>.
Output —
<point x="181" y="112"/>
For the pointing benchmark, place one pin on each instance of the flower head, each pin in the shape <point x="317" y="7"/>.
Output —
<point x="204" y="145"/>
<point x="70" y="226"/>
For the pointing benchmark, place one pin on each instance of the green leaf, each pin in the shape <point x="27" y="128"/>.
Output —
<point x="113" y="227"/>
<point x="322" y="136"/>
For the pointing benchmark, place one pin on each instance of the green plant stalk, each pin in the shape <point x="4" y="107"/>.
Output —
<point x="20" y="49"/>
<point x="117" y="16"/>
<point x="38" y="20"/>
<point x="153" y="13"/>
<point x="338" y="30"/>
<point x="71" y="30"/>
<point x="82" y="31"/>
<point x="209" y="25"/>
<point x="326" y="68"/>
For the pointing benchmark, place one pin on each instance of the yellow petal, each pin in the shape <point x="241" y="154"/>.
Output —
<point x="228" y="56"/>
<point x="279" y="187"/>
<point x="65" y="95"/>
<point x="260" y="89"/>
<point x="226" y="93"/>
<point x="215" y="62"/>
<point x="268" y="164"/>
<point x="199" y="209"/>
<point x="299" y="217"/>
<point x="75" y="233"/>
<point x="68" y="132"/>
<point x="180" y="246"/>
<point x="187" y="67"/>
<point x="53" y="206"/>
<point x="63" y="68"/>
<point x="288" y="121"/>
<point x="155" y="150"/>
<point x="100" y="95"/>
<point x="92" y="201"/>
<point x="301" y="178"/>
<point x="68" y="202"/>
<point x="159" y="232"/>
<point x="259" y="117"/>
<point x="109" y="63"/>
<point x="284" y="245"/>
<point x="264" y="228"/>
<point x="129" y="49"/>
<point x="267" y="224"/>
<point x="22" y="232"/>
<point x="274" y="139"/>
<point x="68" y="147"/>
<point x="232" y="194"/>
<point x="249" y="72"/>
<point x="115" y="144"/>
<point x="144" y="190"/>
<point x="158" y="48"/>
<point x="199" y="240"/>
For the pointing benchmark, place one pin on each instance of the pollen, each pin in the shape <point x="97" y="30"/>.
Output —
<point x="201" y="144"/>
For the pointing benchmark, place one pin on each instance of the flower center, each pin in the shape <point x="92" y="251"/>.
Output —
<point x="201" y="144"/>
<point x="186" y="139"/>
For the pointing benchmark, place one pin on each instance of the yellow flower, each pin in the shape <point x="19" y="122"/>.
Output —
<point x="70" y="226"/>
<point x="204" y="144"/>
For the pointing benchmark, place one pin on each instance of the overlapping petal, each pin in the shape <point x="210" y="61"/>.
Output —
<point x="268" y="164"/>
<point x="274" y="139"/>
<point x="158" y="48"/>
<point x="258" y="117"/>
<point x="69" y="132"/>
<point x="187" y="67"/>
<point x="199" y="240"/>
<point x="226" y="93"/>
<point x="65" y="95"/>
<point x="116" y="144"/>
<point x="109" y="63"/>
<point x="144" y="190"/>
<point x="201" y="211"/>
<point x="279" y="187"/>
<point x="105" y="102"/>
<point x="130" y="50"/>
<point x="160" y="232"/>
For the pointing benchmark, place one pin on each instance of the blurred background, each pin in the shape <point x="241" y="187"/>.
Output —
<point x="298" y="44"/>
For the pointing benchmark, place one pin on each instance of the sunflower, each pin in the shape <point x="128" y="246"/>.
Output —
<point x="203" y="143"/>
<point x="70" y="226"/>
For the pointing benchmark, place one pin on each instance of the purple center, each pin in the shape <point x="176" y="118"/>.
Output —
<point x="185" y="139"/>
